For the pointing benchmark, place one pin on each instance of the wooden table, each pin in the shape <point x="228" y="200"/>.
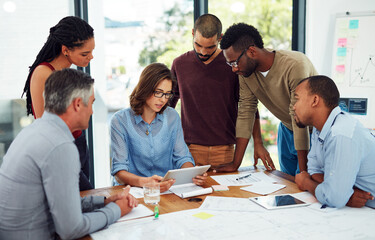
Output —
<point x="172" y="203"/>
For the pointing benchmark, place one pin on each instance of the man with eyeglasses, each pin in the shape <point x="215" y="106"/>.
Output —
<point x="271" y="77"/>
<point x="209" y="91"/>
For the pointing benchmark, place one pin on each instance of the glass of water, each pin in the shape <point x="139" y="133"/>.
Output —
<point x="151" y="193"/>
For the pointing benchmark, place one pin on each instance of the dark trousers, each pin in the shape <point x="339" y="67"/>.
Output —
<point x="84" y="157"/>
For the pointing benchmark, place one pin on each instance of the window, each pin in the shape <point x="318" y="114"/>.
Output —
<point x="24" y="29"/>
<point x="273" y="19"/>
<point x="130" y="35"/>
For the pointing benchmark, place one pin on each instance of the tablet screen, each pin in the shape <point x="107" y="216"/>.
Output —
<point x="279" y="201"/>
<point x="185" y="175"/>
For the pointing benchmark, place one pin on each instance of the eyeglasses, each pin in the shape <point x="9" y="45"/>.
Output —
<point x="234" y="64"/>
<point x="160" y="94"/>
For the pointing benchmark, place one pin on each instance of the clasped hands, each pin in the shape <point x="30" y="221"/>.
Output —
<point x="124" y="200"/>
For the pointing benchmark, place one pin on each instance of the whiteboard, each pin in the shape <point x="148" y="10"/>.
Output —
<point x="353" y="60"/>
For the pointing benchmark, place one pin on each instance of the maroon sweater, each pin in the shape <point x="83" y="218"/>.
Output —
<point x="209" y="97"/>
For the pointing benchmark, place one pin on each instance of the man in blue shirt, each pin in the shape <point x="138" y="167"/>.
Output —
<point x="341" y="166"/>
<point x="39" y="190"/>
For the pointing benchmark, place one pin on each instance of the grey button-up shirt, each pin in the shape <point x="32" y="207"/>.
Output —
<point x="39" y="193"/>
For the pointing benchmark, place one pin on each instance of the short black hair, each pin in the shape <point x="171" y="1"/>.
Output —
<point x="208" y="25"/>
<point x="240" y="36"/>
<point x="325" y="88"/>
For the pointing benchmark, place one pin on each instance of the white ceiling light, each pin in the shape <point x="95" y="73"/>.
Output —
<point x="9" y="6"/>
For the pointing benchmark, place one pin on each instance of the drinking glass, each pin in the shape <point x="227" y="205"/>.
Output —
<point x="151" y="193"/>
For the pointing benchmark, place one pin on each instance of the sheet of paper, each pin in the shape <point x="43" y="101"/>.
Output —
<point x="263" y="188"/>
<point x="230" y="204"/>
<point x="319" y="207"/>
<point x="220" y="188"/>
<point x="189" y="190"/>
<point x="231" y="180"/>
<point x="251" y="168"/>
<point x="305" y="196"/>
<point x="137" y="212"/>
<point x="289" y="223"/>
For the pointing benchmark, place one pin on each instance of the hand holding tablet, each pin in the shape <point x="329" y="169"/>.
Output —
<point x="185" y="175"/>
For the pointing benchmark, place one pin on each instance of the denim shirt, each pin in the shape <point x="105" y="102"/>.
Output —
<point x="147" y="149"/>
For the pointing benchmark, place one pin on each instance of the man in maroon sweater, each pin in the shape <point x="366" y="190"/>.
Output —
<point x="209" y="93"/>
<point x="208" y="90"/>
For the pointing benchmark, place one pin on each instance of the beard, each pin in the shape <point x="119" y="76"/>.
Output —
<point x="202" y="57"/>
<point x="299" y="123"/>
<point x="251" y="66"/>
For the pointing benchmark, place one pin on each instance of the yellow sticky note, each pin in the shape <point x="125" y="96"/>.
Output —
<point x="203" y="215"/>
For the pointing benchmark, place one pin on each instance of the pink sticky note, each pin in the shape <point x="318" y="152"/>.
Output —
<point x="342" y="42"/>
<point x="340" y="68"/>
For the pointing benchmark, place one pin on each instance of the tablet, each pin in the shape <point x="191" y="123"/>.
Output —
<point x="185" y="175"/>
<point x="278" y="201"/>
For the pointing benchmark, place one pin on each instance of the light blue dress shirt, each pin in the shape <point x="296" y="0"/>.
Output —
<point x="147" y="149"/>
<point x="344" y="151"/>
<point x="39" y="193"/>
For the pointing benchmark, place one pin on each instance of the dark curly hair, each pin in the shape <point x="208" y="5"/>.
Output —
<point x="150" y="78"/>
<point x="71" y="32"/>
<point x="241" y="36"/>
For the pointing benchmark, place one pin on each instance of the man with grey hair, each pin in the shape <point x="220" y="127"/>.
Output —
<point x="39" y="176"/>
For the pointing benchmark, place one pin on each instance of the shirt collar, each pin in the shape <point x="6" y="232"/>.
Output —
<point x="328" y="124"/>
<point x="138" y="118"/>
<point x="59" y="122"/>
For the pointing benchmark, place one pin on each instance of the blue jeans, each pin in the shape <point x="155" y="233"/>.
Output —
<point x="286" y="151"/>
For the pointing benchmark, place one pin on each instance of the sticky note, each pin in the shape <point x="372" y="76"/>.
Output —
<point x="353" y="24"/>
<point x="203" y="215"/>
<point x="341" y="51"/>
<point x="340" y="68"/>
<point x="342" y="42"/>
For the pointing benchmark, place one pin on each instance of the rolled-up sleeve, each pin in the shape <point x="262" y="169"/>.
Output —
<point x="247" y="107"/>
<point x="181" y="153"/>
<point x="341" y="168"/>
<point x="119" y="146"/>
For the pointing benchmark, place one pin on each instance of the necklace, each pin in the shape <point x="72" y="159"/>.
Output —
<point x="147" y="132"/>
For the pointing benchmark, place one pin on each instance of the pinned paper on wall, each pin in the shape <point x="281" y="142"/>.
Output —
<point x="353" y="24"/>
<point x="341" y="51"/>
<point x="342" y="42"/>
<point x="340" y="68"/>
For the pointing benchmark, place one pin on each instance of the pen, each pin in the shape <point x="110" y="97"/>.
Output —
<point x="239" y="178"/>
<point x="156" y="212"/>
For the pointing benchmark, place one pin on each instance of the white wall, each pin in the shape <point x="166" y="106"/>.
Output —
<point x="320" y="30"/>
<point x="320" y="23"/>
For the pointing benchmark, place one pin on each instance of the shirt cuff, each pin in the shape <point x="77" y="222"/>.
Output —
<point x="112" y="211"/>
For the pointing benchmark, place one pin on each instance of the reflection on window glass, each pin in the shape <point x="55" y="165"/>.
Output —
<point x="138" y="33"/>
<point x="24" y="29"/>
<point x="133" y="34"/>
<point x="273" y="19"/>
